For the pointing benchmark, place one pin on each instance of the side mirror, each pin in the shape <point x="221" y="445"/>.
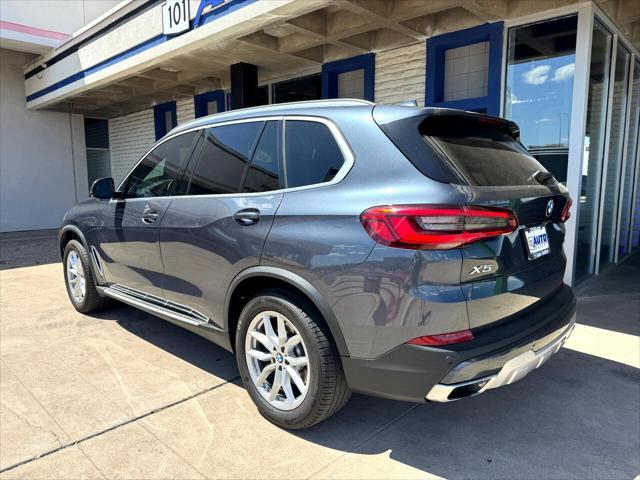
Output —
<point x="102" y="188"/>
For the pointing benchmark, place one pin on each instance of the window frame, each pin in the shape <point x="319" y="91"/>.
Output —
<point x="201" y="100"/>
<point x="159" y="112"/>
<point x="331" y="70"/>
<point x="435" y="70"/>
<point x="343" y="145"/>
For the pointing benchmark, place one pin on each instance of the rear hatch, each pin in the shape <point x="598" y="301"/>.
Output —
<point x="481" y="157"/>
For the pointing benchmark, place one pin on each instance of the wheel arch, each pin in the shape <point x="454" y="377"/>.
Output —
<point x="292" y="281"/>
<point x="68" y="233"/>
<point x="72" y="232"/>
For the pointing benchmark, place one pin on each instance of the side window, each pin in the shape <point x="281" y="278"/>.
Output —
<point x="158" y="174"/>
<point x="264" y="172"/>
<point x="224" y="158"/>
<point x="312" y="154"/>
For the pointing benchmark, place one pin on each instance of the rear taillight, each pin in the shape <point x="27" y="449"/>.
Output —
<point x="566" y="214"/>
<point x="436" y="227"/>
<point x="443" y="339"/>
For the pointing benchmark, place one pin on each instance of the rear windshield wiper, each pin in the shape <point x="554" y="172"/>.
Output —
<point x="542" y="177"/>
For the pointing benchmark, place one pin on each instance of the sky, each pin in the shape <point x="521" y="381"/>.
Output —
<point x="539" y="97"/>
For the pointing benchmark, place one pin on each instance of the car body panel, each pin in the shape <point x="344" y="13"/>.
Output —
<point x="204" y="248"/>
<point x="325" y="243"/>
<point x="128" y="247"/>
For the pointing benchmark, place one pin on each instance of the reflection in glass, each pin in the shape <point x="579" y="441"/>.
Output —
<point x="594" y="148"/>
<point x="96" y="136"/>
<point x="298" y="89"/>
<point x="539" y="90"/>
<point x="629" y="168"/>
<point x="614" y="158"/>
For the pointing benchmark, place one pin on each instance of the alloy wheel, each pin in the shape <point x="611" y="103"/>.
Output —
<point x="75" y="277"/>
<point x="277" y="360"/>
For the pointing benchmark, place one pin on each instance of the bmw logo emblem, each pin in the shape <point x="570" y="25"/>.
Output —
<point x="279" y="358"/>
<point x="549" y="209"/>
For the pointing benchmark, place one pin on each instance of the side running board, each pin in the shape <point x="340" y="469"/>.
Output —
<point x="167" y="310"/>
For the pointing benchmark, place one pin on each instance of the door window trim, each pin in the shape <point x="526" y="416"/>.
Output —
<point x="345" y="149"/>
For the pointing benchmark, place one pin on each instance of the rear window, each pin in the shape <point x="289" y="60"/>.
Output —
<point x="469" y="150"/>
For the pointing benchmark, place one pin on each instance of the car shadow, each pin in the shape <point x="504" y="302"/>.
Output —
<point x="173" y="339"/>
<point x="576" y="417"/>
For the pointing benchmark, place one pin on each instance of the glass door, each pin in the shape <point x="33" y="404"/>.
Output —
<point x="594" y="141"/>
<point x="629" y="171"/>
<point x="539" y="89"/>
<point x="611" y="170"/>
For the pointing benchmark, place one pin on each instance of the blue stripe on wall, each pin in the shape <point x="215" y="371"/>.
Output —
<point x="103" y="31"/>
<point x="99" y="66"/>
<point x="223" y="10"/>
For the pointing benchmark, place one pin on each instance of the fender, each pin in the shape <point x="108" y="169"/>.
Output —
<point x="74" y="229"/>
<point x="298" y="282"/>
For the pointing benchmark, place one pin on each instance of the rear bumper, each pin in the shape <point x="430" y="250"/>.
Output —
<point x="512" y="370"/>
<point x="497" y="356"/>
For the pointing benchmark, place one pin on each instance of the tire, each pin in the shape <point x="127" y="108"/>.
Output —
<point x="326" y="388"/>
<point x="91" y="300"/>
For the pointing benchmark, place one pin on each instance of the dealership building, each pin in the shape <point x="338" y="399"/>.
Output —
<point x="89" y="101"/>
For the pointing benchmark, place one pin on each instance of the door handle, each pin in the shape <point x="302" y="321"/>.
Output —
<point x="247" y="216"/>
<point x="149" y="215"/>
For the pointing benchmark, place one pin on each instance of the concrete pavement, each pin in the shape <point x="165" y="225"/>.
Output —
<point x="122" y="394"/>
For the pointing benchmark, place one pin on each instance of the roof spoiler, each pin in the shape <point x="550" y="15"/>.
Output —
<point x="507" y="126"/>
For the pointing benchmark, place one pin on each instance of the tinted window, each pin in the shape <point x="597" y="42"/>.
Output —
<point x="224" y="158"/>
<point x="467" y="150"/>
<point x="158" y="174"/>
<point x="312" y="154"/>
<point x="298" y="89"/>
<point x="264" y="173"/>
<point x="481" y="153"/>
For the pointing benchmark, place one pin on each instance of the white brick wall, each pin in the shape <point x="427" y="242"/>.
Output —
<point x="130" y="136"/>
<point x="400" y="74"/>
<point x="185" y="110"/>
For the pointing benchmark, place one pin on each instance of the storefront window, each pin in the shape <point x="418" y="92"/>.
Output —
<point x="627" y="183"/>
<point x="594" y="149"/>
<point x="96" y="135"/>
<point x="298" y="89"/>
<point x="539" y="90"/>
<point x="614" y="157"/>
<point x="262" y="96"/>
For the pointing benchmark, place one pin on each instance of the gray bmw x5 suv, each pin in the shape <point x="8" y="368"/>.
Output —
<point x="338" y="246"/>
